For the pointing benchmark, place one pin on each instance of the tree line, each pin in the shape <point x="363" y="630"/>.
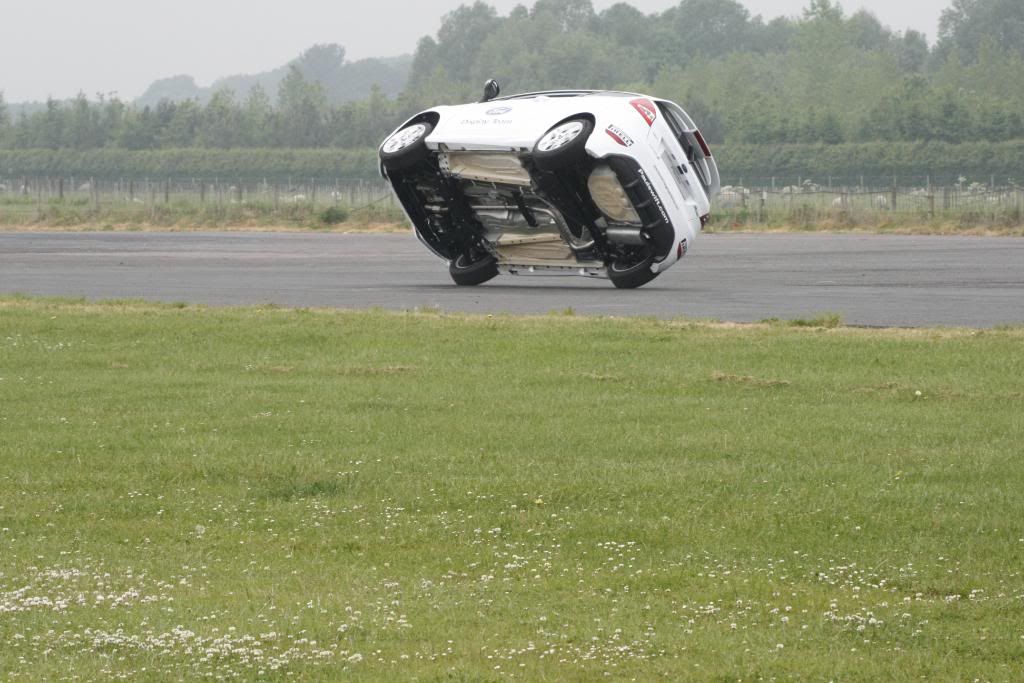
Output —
<point x="823" y="77"/>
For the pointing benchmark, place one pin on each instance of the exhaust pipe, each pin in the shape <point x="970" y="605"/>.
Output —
<point x="633" y="237"/>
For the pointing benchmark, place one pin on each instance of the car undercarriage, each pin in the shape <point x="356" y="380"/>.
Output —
<point x="502" y="207"/>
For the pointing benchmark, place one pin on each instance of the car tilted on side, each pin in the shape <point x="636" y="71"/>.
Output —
<point x="601" y="184"/>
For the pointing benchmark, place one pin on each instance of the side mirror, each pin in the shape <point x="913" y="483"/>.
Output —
<point x="491" y="90"/>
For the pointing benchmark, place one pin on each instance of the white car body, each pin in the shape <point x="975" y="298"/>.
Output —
<point x="486" y="155"/>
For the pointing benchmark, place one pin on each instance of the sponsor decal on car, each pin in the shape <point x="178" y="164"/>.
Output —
<point x="654" y="196"/>
<point x="485" y="122"/>
<point x="683" y="249"/>
<point x="620" y="136"/>
<point x="498" y="111"/>
<point x="646" y="109"/>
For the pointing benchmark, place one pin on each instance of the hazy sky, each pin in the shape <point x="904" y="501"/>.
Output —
<point x="124" y="45"/>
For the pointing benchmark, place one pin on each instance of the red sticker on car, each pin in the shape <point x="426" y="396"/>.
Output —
<point x="620" y="136"/>
<point x="646" y="109"/>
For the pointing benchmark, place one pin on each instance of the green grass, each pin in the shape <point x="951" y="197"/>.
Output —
<point x="188" y="214"/>
<point x="270" y="493"/>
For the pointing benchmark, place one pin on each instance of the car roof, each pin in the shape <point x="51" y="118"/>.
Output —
<point x="566" y="93"/>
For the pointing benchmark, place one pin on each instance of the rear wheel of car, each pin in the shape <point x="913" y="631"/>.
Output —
<point x="630" y="275"/>
<point x="469" y="270"/>
<point x="407" y="147"/>
<point x="564" y="145"/>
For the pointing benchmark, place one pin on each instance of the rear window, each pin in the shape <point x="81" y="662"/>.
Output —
<point x="685" y="133"/>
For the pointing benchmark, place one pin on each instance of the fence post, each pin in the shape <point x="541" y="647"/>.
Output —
<point x="60" y="189"/>
<point x="167" y="191"/>
<point x="895" y="194"/>
<point x="931" y="203"/>
<point x="761" y="208"/>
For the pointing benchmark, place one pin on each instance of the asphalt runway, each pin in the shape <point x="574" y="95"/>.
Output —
<point x="868" y="279"/>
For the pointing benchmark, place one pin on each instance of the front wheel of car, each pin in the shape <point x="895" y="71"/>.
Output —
<point x="407" y="147"/>
<point x="630" y="275"/>
<point x="564" y="145"/>
<point x="467" y="272"/>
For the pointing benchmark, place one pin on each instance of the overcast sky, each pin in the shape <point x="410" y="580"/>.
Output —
<point x="67" y="46"/>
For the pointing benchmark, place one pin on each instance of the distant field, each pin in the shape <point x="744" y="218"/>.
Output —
<point x="268" y="494"/>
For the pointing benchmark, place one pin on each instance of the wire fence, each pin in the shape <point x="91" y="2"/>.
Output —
<point x="755" y="200"/>
<point x="809" y="200"/>
<point x="315" y="192"/>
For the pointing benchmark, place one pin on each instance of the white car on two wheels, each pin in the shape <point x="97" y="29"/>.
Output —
<point x="601" y="184"/>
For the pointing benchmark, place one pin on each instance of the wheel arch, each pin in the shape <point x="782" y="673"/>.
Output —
<point x="580" y="115"/>
<point x="431" y="116"/>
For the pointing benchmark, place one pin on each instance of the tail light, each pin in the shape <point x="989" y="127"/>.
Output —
<point x="703" y="145"/>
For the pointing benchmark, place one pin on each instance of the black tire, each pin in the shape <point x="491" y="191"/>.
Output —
<point x="466" y="273"/>
<point x="631" y="275"/>
<point x="570" y="154"/>
<point x="410" y="154"/>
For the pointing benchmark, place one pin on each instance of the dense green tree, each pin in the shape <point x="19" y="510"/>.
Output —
<point x="5" y="116"/>
<point x="911" y="52"/>
<point x="775" y="36"/>
<point x="220" y="122"/>
<point x="867" y="32"/>
<point x="704" y="27"/>
<point x="183" y="126"/>
<point x="301" y="110"/>
<point x="822" y="78"/>
<point x="139" y="131"/>
<point x="967" y="24"/>
<point x="565" y="16"/>
<point x="459" y="39"/>
<point x="257" y="120"/>
<point x="82" y="128"/>
<point x="322" y="63"/>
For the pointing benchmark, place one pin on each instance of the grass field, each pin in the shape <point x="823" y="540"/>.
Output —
<point x="20" y="213"/>
<point x="268" y="494"/>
